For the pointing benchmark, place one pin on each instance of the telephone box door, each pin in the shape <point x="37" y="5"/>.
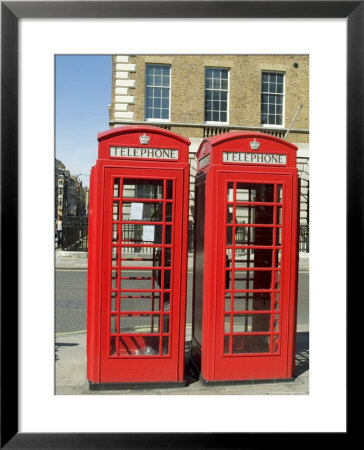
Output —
<point x="253" y="308"/>
<point x="142" y="253"/>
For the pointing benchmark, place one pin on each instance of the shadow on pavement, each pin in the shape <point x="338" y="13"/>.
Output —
<point x="63" y="344"/>
<point x="191" y="374"/>
<point x="302" y="352"/>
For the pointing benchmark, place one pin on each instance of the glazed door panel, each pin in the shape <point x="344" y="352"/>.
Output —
<point x="253" y="257"/>
<point x="141" y="261"/>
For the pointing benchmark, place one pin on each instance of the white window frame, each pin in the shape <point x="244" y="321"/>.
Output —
<point x="151" y="119"/>
<point x="213" y="122"/>
<point x="267" y="125"/>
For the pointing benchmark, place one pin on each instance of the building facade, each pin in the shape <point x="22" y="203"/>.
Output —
<point x="71" y="198"/>
<point x="200" y="96"/>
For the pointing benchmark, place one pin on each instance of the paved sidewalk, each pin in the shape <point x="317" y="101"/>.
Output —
<point x="71" y="373"/>
<point x="78" y="260"/>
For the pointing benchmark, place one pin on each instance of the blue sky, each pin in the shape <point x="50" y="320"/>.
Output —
<point x="83" y="93"/>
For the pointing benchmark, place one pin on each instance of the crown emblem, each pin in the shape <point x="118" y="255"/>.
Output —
<point x="144" y="139"/>
<point x="254" y="145"/>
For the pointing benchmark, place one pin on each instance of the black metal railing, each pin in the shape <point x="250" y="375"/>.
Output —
<point x="75" y="233"/>
<point x="304" y="239"/>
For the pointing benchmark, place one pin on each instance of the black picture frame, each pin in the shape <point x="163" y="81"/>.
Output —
<point x="11" y="13"/>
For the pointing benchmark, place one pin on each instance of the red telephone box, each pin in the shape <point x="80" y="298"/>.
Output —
<point x="245" y="275"/>
<point x="137" y="272"/>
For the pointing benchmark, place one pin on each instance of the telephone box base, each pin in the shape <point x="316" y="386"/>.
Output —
<point x="134" y="386"/>
<point x="236" y="382"/>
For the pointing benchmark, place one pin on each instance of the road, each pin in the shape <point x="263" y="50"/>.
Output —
<point x="71" y="300"/>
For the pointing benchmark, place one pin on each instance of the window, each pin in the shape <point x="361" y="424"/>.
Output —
<point x="216" y="95"/>
<point x="157" y="95"/>
<point x="272" y="98"/>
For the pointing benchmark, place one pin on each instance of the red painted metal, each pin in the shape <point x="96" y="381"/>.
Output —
<point x="137" y="270"/>
<point x="244" y="301"/>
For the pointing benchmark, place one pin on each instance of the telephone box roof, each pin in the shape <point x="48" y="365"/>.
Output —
<point x="140" y="129"/>
<point x="231" y="135"/>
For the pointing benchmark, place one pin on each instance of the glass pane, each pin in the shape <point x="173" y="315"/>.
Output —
<point x="278" y="280"/>
<point x="165" y="343"/>
<point x="227" y="324"/>
<point x="166" y="302"/>
<point x="167" y="279"/>
<point x="115" y="211"/>
<point x="138" y="234"/>
<point x="139" y="188"/>
<point x="139" y="323"/>
<point x="227" y="301"/>
<point x="253" y="236"/>
<point x="169" y="189"/>
<point x="278" y="258"/>
<point x="252" y="301"/>
<point x="208" y="116"/>
<point x="244" y="323"/>
<point x="168" y="235"/>
<point x="114" y="276"/>
<point x="112" y="345"/>
<point x="138" y="345"/>
<point x="140" y="301"/>
<point x="253" y="192"/>
<point x="113" y="301"/>
<point x="277" y="300"/>
<point x="275" y="343"/>
<point x="251" y="344"/>
<point x="224" y="84"/>
<point x="253" y="258"/>
<point x="112" y="324"/>
<point x="254" y="214"/>
<point x="116" y="187"/>
<point x="279" y="215"/>
<point x="245" y="192"/>
<point x="226" y="344"/>
<point x="279" y="193"/>
<point x="166" y="323"/>
<point x="276" y="322"/>
<point x="141" y="256"/>
<point x="140" y="279"/>
<point x="230" y="192"/>
<point x="114" y="256"/>
<point x="114" y="233"/>
<point x="229" y="214"/>
<point x="169" y="207"/>
<point x="148" y="212"/>
<point x="249" y="279"/>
